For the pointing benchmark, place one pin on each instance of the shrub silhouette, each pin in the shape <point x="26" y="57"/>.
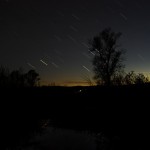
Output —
<point x="133" y="78"/>
<point x="141" y="79"/>
<point x="32" y="78"/>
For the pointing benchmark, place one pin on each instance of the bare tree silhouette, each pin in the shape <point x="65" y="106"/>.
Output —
<point x="107" y="59"/>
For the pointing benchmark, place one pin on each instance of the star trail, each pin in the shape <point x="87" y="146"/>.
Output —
<point x="52" y="36"/>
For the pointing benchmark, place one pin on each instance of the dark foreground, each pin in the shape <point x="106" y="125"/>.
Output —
<point x="117" y="112"/>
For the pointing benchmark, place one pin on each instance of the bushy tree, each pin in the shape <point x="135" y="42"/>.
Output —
<point x="17" y="78"/>
<point x="32" y="78"/>
<point x="130" y="78"/>
<point x="133" y="78"/>
<point x="107" y="60"/>
<point x="118" y="78"/>
<point x="141" y="79"/>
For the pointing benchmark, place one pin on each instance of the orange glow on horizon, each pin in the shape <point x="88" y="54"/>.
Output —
<point x="67" y="83"/>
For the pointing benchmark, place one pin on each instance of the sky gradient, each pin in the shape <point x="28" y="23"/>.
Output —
<point x="51" y="36"/>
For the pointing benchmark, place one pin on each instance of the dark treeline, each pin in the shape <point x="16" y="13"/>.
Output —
<point x="17" y="78"/>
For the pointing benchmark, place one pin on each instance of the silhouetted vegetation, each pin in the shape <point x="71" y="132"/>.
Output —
<point x="31" y="78"/>
<point x="130" y="78"/>
<point x="4" y="76"/>
<point x="133" y="78"/>
<point x="107" y="59"/>
<point x="17" y="78"/>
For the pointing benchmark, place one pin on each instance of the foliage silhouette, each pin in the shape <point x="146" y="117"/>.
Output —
<point x="107" y="59"/>
<point x="133" y="78"/>
<point x="4" y="76"/>
<point x="130" y="78"/>
<point x="32" y="78"/>
<point x="17" y="78"/>
<point x="118" y="78"/>
<point x="141" y="79"/>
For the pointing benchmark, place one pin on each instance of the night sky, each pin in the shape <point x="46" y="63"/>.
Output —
<point x="51" y="36"/>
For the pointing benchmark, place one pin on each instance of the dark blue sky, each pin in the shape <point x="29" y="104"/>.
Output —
<point x="51" y="36"/>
